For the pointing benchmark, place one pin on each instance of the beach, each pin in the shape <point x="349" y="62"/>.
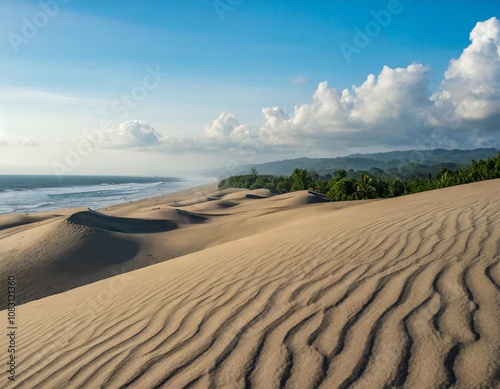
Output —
<point x="30" y="194"/>
<point x="247" y="288"/>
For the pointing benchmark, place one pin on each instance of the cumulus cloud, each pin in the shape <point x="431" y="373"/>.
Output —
<point x="396" y="107"/>
<point x="384" y="107"/>
<point x="224" y="133"/>
<point x="13" y="141"/>
<point x="227" y="131"/>
<point x="469" y="95"/>
<point x="139" y="135"/>
<point x="132" y="134"/>
<point x="393" y="108"/>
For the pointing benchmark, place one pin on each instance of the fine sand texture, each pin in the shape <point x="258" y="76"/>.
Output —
<point x="238" y="288"/>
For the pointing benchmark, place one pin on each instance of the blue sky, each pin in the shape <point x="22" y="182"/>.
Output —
<point x="220" y="65"/>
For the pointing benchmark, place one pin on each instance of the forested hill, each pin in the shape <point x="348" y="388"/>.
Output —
<point x="403" y="162"/>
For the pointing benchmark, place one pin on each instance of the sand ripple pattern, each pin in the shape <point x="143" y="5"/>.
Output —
<point x="400" y="293"/>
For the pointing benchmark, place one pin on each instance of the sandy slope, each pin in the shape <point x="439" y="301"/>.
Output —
<point x="54" y="252"/>
<point x="275" y="292"/>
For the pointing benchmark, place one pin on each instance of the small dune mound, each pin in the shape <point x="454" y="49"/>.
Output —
<point x="306" y="197"/>
<point x="319" y="196"/>
<point x="251" y="196"/>
<point x="261" y="193"/>
<point x="255" y="194"/>
<point x="211" y="208"/>
<point x="210" y="197"/>
<point x="227" y="204"/>
<point x="192" y="217"/>
<point x="97" y="220"/>
<point x="224" y="192"/>
<point x="173" y="214"/>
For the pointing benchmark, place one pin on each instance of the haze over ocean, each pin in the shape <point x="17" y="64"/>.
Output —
<point x="38" y="193"/>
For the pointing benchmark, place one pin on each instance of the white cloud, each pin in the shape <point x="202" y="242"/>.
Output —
<point x="37" y="96"/>
<point x="227" y="131"/>
<point x="224" y="133"/>
<point x="131" y="134"/>
<point x="178" y="145"/>
<point x="299" y="80"/>
<point x="396" y="107"/>
<point x="469" y="95"/>
<point x="13" y="141"/>
<point x="393" y="108"/>
<point x="384" y="108"/>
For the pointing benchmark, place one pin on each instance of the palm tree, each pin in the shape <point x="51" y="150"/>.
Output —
<point x="364" y="188"/>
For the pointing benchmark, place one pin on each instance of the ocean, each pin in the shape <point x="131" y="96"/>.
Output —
<point x="31" y="194"/>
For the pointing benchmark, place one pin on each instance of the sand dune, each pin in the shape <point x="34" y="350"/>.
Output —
<point x="12" y="221"/>
<point x="277" y="292"/>
<point x="97" y="220"/>
<point x="75" y="247"/>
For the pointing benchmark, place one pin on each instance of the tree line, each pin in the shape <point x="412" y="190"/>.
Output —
<point x="343" y="185"/>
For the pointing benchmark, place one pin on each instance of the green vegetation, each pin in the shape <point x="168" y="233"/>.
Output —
<point x="376" y="183"/>
<point x="397" y="164"/>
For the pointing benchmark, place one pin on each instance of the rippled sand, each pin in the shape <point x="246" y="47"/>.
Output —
<point x="246" y="289"/>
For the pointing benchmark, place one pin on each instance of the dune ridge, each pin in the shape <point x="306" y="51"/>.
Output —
<point x="93" y="219"/>
<point x="395" y="293"/>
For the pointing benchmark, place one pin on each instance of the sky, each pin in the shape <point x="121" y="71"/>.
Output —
<point x="159" y="87"/>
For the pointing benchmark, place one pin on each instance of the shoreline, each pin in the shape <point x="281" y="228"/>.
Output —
<point x="32" y="203"/>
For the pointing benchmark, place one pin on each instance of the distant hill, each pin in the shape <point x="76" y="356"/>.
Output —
<point x="398" y="163"/>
